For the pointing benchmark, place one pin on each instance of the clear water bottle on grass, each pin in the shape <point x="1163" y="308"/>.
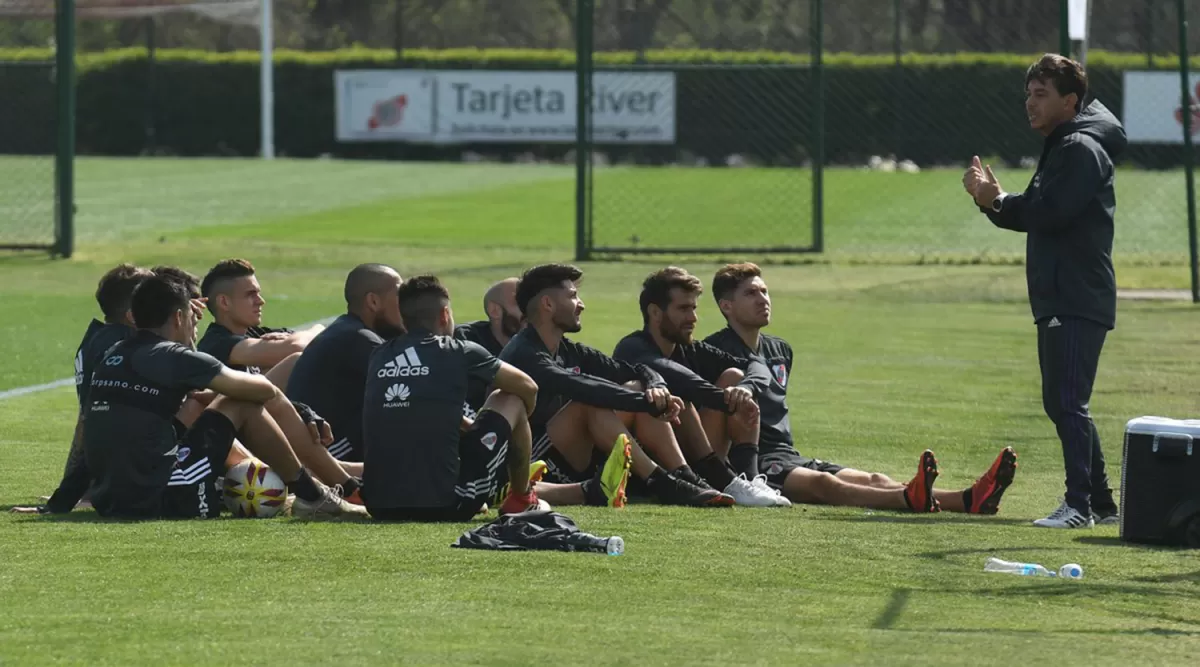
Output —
<point x="1068" y="571"/>
<point x="1023" y="569"/>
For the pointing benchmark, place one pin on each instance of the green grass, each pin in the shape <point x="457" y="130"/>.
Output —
<point x="890" y="359"/>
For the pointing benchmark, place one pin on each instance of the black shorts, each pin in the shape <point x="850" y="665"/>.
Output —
<point x="197" y="481"/>
<point x="778" y="465"/>
<point x="482" y="454"/>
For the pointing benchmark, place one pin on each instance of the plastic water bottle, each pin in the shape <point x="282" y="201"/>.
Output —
<point x="613" y="546"/>
<point x="1023" y="569"/>
<point x="1068" y="571"/>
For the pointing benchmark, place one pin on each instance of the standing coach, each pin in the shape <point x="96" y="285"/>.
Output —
<point x="1066" y="213"/>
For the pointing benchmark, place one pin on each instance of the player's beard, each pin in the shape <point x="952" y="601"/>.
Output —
<point x="568" y="322"/>
<point x="510" y="325"/>
<point x="674" y="334"/>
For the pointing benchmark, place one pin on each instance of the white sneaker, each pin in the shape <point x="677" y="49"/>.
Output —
<point x="780" y="500"/>
<point x="329" y="504"/>
<point x="1065" y="517"/>
<point x="746" y="494"/>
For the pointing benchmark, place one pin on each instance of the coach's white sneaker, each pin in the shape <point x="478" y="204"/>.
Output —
<point x="760" y="481"/>
<point x="1065" y="517"/>
<point x="330" y="504"/>
<point x="747" y="494"/>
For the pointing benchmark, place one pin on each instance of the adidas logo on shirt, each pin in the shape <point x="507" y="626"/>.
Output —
<point x="406" y="364"/>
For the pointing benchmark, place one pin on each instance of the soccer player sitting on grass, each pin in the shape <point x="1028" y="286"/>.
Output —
<point x="503" y="321"/>
<point x="142" y="463"/>
<point x="420" y="464"/>
<point x="587" y="401"/>
<point x="719" y="389"/>
<point x="742" y="296"/>
<point x="237" y="337"/>
<point x="331" y="374"/>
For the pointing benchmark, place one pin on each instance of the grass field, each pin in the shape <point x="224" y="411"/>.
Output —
<point x="890" y="359"/>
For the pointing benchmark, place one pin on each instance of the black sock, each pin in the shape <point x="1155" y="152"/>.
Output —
<point x="350" y="486"/>
<point x="304" y="487"/>
<point x="715" y="471"/>
<point x="743" y="459"/>
<point x="968" y="496"/>
<point x="593" y="493"/>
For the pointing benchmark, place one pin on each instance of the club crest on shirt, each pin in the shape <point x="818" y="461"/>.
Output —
<point x="182" y="453"/>
<point x="574" y="370"/>
<point x="780" y="371"/>
<point x="489" y="440"/>
<point x="775" y="468"/>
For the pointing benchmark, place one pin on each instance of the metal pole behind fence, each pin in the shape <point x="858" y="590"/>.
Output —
<point x="64" y="156"/>
<point x="818" y="126"/>
<point x="267" y="80"/>
<point x="1064" y="28"/>
<point x="583" y="107"/>
<point x="1188" y="155"/>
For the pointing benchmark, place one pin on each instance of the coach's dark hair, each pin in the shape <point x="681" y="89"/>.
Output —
<point x="1066" y="75"/>
<point x="728" y="277"/>
<point x="191" y="282"/>
<point x="422" y="299"/>
<point x="157" y="299"/>
<point x="656" y="288"/>
<point x="540" y="278"/>
<point x="224" y="270"/>
<point x="114" y="292"/>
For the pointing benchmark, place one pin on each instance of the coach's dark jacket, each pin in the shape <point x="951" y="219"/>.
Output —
<point x="1067" y="211"/>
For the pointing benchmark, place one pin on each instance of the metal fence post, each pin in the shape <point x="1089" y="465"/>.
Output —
<point x="64" y="155"/>
<point x="583" y="116"/>
<point x="1188" y="155"/>
<point x="818" y="126"/>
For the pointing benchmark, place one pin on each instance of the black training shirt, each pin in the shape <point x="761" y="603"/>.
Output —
<point x="479" y="333"/>
<point x="219" y="341"/>
<point x="129" y="431"/>
<point x="96" y="341"/>
<point x="578" y="373"/>
<point x="693" y="370"/>
<point x="412" y="414"/>
<point x="331" y="376"/>
<point x="775" y="429"/>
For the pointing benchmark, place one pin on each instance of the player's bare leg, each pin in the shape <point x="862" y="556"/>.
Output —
<point x="311" y="451"/>
<point x="282" y="371"/>
<point x="579" y="429"/>
<point x="810" y="486"/>
<point x="267" y="442"/>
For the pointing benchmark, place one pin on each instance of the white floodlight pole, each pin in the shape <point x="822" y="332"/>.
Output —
<point x="267" y="80"/>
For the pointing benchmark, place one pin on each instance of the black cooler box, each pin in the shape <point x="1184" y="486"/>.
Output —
<point x="1160" y="482"/>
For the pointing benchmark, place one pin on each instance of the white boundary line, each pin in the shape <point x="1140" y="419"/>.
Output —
<point x="70" y="382"/>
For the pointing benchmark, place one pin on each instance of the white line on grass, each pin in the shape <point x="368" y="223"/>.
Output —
<point x="66" y="382"/>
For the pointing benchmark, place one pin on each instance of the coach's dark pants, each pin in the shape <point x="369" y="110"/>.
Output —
<point x="1069" y="352"/>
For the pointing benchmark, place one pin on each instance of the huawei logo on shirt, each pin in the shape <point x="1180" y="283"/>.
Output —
<point x="396" y="396"/>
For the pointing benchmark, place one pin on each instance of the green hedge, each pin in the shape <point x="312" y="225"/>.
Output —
<point x="935" y="108"/>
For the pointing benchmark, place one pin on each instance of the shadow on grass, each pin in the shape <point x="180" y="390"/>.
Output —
<point x="1115" y="541"/>
<point x="919" y="519"/>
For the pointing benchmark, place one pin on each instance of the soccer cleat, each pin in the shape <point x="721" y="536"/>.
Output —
<point x="672" y="490"/>
<point x="537" y="470"/>
<point x="747" y="494"/>
<point x="760" y="481"/>
<point x="614" y="476"/>
<point x="329" y="504"/>
<point x="355" y="498"/>
<point x="688" y="475"/>
<point x="987" y="490"/>
<point x="918" y="493"/>
<point x="1065" y="517"/>
<point x="516" y="504"/>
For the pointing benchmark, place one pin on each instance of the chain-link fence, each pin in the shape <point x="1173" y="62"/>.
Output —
<point x="709" y="125"/>
<point x="730" y="164"/>
<point x="27" y="145"/>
